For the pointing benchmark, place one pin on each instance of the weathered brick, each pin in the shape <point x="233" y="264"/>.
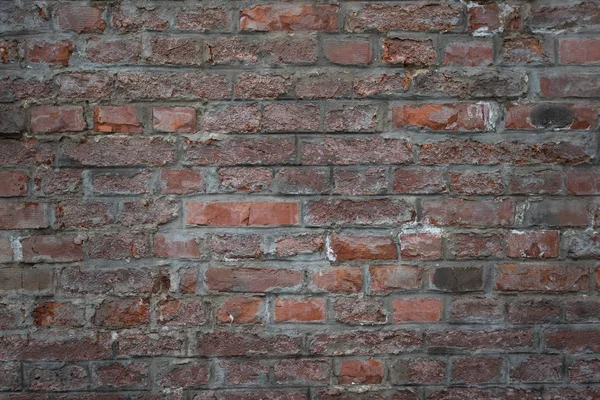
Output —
<point x="183" y="373"/>
<point x="172" y="85"/>
<point x="175" y="245"/>
<point x="57" y="53"/>
<point x="128" y="18"/>
<point x="201" y="19"/>
<point x="526" y="50"/>
<point x="354" y="247"/>
<point x="469" y="54"/>
<point x="479" y="309"/>
<point x="388" y="341"/>
<point x="13" y="183"/>
<point x="420" y="246"/>
<point x="165" y="50"/>
<point x="584" y="371"/>
<point x="183" y="312"/>
<point x="324" y="85"/>
<point x="342" y="279"/>
<point x="81" y="19"/>
<point x="583" y="181"/>
<point x="28" y="215"/>
<point x="464" y="246"/>
<point x="460" y="212"/>
<point x="580" y="341"/>
<point x="489" y="19"/>
<point x="54" y="314"/>
<point x="52" y="249"/>
<point x="378" y="212"/>
<point x="581" y="16"/>
<point x="417" y="180"/>
<point x="291" y="49"/>
<point x="226" y="344"/>
<point x="348" y="151"/>
<point x="292" y="180"/>
<point x="542" y="278"/>
<point x="174" y="119"/>
<point x="409" y="52"/>
<point x="122" y="182"/>
<point x="233" y="119"/>
<point x="51" y="119"/>
<point x="383" y="85"/>
<point x="532" y="311"/>
<point x="416" y="309"/>
<point x="351" y="119"/>
<point x="420" y="370"/>
<point x="298" y="310"/>
<point x="79" y="85"/>
<point x="242" y="213"/>
<point x="232" y="247"/>
<point x="536" y="181"/>
<point x="119" y="246"/>
<point x="256" y="151"/>
<point x="384" y="278"/>
<point x="445" y="117"/>
<point x="476" y="182"/>
<point x="346" y="52"/>
<point x="293" y="245"/>
<point x="302" y="371"/>
<point x="540" y="368"/>
<point x="573" y="84"/>
<point x="123" y="375"/>
<point x="361" y="372"/>
<point x="578" y="51"/>
<point x="111" y="51"/>
<point x="473" y="370"/>
<point x="231" y="50"/>
<point x="496" y="339"/>
<point x="56" y="377"/>
<point x="359" y="311"/>
<point x="245" y="179"/>
<point x="252" y="280"/>
<point x="532" y="244"/>
<point x="181" y="181"/>
<point x="290" y="17"/>
<point x="241" y="310"/>
<point x="358" y="181"/>
<point x="118" y="281"/>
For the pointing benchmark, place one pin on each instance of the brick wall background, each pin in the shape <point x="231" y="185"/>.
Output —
<point x="346" y="200"/>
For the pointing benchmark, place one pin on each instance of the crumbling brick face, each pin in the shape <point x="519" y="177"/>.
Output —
<point x="299" y="200"/>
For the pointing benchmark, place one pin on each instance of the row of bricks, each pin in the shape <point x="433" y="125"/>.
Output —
<point x="214" y="51"/>
<point x="360" y="213"/>
<point x="479" y="19"/>
<point x="525" y="277"/>
<point x="314" y="372"/>
<point x="350" y="181"/>
<point x="289" y="117"/>
<point x="488" y="245"/>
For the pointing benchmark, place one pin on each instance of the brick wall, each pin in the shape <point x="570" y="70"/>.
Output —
<point x="347" y="200"/>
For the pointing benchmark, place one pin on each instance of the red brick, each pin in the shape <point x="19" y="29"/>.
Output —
<point x="183" y="312"/>
<point x="175" y="245"/>
<point x="245" y="179"/>
<point x="166" y="50"/>
<point x="477" y="310"/>
<point x="141" y="343"/>
<point x="54" y="119"/>
<point x="383" y="85"/>
<point x="294" y="245"/>
<point x="488" y="19"/>
<point x="537" y="368"/>
<point x="496" y="339"/>
<point x="72" y="214"/>
<point x="579" y="51"/>
<point x="465" y="246"/>
<point x="241" y="310"/>
<point x="125" y="182"/>
<point x="122" y="119"/>
<point x="557" y="212"/>
<point x="542" y="278"/>
<point x="587" y="393"/>
<point x="242" y="214"/>
<point x="532" y="244"/>
<point x="420" y="370"/>
<point x="470" y="83"/>
<point x="26" y="152"/>
<point x="117" y="281"/>
<point x="324" y="85"/>
<point x="117" y="151"/>
<point x="188" y="280"/>
<point x="476" y="182"/>
<point x="348" y="151"/>
<point x="302" y="371"/>
<point x="534" y="311"/>
<point x="477" y="370"/>
<point x="256" y="151"/>
<point x="377" y="212"/>
<point x="584" y="371"/>
<point x="127" y="18"/>
<point x="483" y="393"/>
<point x="252" y="279"/>
<point x="122" y="375"/>
<point x="445" y="117"/>
<point x="174" y="119"/>
<point x="388" y="278"/>
<point x="551" y="116"/>
<point x="119" y="246"/>
<point x="290" y="17"/>
<point x="81" y="19"/>
<point x="354" y="247"/>
<point x="583" y="310"/>
<point x="401" y="17"/>
<point x="291" y="180"/>
<point x="182" y="374"/>
<point x="417" y="309"/>
<point x="286" y="117"/>
<point x="361" y="372"/>
<point x="409" y="52"/>
<point x="243" y="372"/>
<point x="111" y="51"/>
<point x="262" y="86"/>
<point x="20" y="89"/>
<point x="359" y="118"/>
<point x="11" y="379"/>
<point x="583" y="181"/>
<point x="460" y="212"/>
<point x="572" y="84"/>
<point x="52" y="248"/>
<point x="251" y="342"/>
<point x="568" y="17"/>
<point x="233" y="119"/>
<point x="230" y="247"/>
<point x="298" y="310"/>
<point x="150" y="212"/>
<point x="359" y="311"/>
<point x="573" y="340"/>
<point x="420" y="246"/>
<point x="369" y="342"/>
<point x="201" y="19"/>
<point x="525" y="50"/>
<point x="56" y="377"/>
<point x="10" y="51"/>
<point x="54" y="314"/>
<point x="291" y="49"/>
<point x="338" y="280"/>
<point x="359" y="181"/>
<point x="181" y="181"/>
<point x="469" y="54"/>
<point x="538" y="181"/>
<point x="80" y="85"/>
<point x="424" y="180"/>
<point x="26" y="215"/>
<point x="122" y="313"/>
<point x="38" y="51"/>
<point x="227" y="50"/>
<point x="13" y="183"/>
<point x="346" y="52"/>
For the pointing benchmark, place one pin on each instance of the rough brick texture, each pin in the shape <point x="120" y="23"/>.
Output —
<point x="299" y="200"/>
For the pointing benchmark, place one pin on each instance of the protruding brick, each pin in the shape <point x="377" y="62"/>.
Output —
<point x="354" y="247"/>
<point x="408" y="52"/>
<point x="58" y="53"/>
<point x="469" y="54"/>
<point x="298" y="310"/>
<point x="242" y="214"/>
<point x="420" y="246"/>
<point x="122" y="119"/>
<point x="122" y="312"/>
<point x="252" y="279"/>
<point x="361" y="372"/>
<point x="181" y="181"/>
<point x="290" y="17"/>
<point x="445" y="117"/>
<point x="240" y="310"/>
<point x="176" y="246"/>
<point x="81" y="19"/>
<point x="174" y="119"/>
<point x="57" y="119"/>
<point x="417" y="309"/>
<point x="338" y="280"/>
<point x="388" y="278"/>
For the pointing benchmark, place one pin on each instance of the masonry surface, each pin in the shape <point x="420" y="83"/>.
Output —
<point x="392" y="200"/>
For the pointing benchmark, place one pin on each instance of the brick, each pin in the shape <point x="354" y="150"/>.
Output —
<point x="6" y="253"/>
<point x="451" y="279"/>
<point x="465" y="246"/>
<point x="377" y="212"/>
<point x="242" y="213"/>
<point x="116" y="151"/>
<point x="388" y="278"/>
<point x="346" y="52"/>
<point x="28" y="215"/>
<point x="290" y="118"/>
<point x="122" y="119"/>
<point x="361" y="342"/>
<point x="469" y="54"/>
<point x="580" y="341"/>
<point x="359" y="311"/>
<point x="477" y="310"/>
<point x="176" y="246"/>
<point x="227" y="344"/>
<point x="324" y="85"/>
<point x="256" y="151"/>
<point x="119" y="246"/>
<point x="174" y="119"/>
<point x="298" y="310"/>
<point x="230" y="247"/>
<point x="460" y="212"/>
<point x="256" y="394"/>
<point x="12" y="123"/>
<point x="252" y="279"/>
<point x="244" y="372"/>
<point x="56" y="377"/>
<point x="201" y="19"/>
<point x="473" y="370"/>
<point x="188" y="280"/>
<point x="420" y="370"/>
<point x="52" y="249"/>
<point x="20" y="89"/>
<point x="361" y="372"/>
<point x="583" y="182"/>
<point x="245" y="179"/>
<point x="55" y="314"/>
<point x="425" y="180"/>
<point x="582" y="310"/>
<point x="77" y="85"/>
<point x="532" y="311"/>
<point x="584" y="371"/>
<point x="26" y="152"/>
<point x="496" y="339"/>
<point x="445" y="117"/>
<point x="383" y="85"/>
<point x="291" y="49"/>
<point x="476" y="182"/>
<point x="109" y="51"/>
<point x="119" y="281"/>
<point x="165" y="50"/>
<point x="294" y="245"/>
<point x="582" y="245"/>
<point x="128" y="18"/>
<point x="573" y="84"/>
<point x="542" y="278"/>
<point x="338" y="280"/>
<point x="57" y="53"/>
<point x="578" y="17"/>
<point x="540" y="368"/>
<point x="122" y="375"/>
<point x="357" y="118"/>
<point x="566" y="393"/>
<point x="183" y="312"/>
<point x="551" y="212"/>
<point x="241" y="310"/>
<point x="532" y="244"/>
<point x="140" y="343"/>
<point x="81" y="19"/>
<point x="525" y="50"/>
<point x="51" y="119"/>
<point x="409" y="52"/>
<point x="10" y="376"/>
<point x="183" y="374"/>
<point x="578" y="51"/>
<point x="13" y="183"/>
<point x="122" y="313"/>
<point x="291" y="180"/>
<point x="537" y="181"/>
<point x="488" y="19"/>
<point x="357" y="181"/>
<point x="302" y="371"/>
<point x="290" y="17"/>
<point x="122" y="182"/>
<point x="348" y="151"/>
<point x="551" y="116"/>
<point x="355" y="247"/>
<point x="262" y="86"/>
<point x="151" y="212"/>
<point x="172" y="85"/>
<point x="31" y="280"/>
<point x="412" y="17"/>
<point x="487" y="393"/>
<point x="420" y="246"/>
<point x="10" y="51"/>
<point x="233" y="119"/>
<point x="231" y="50"/>
<point x="181" y="181"/>
<point x="416" y="310"/>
